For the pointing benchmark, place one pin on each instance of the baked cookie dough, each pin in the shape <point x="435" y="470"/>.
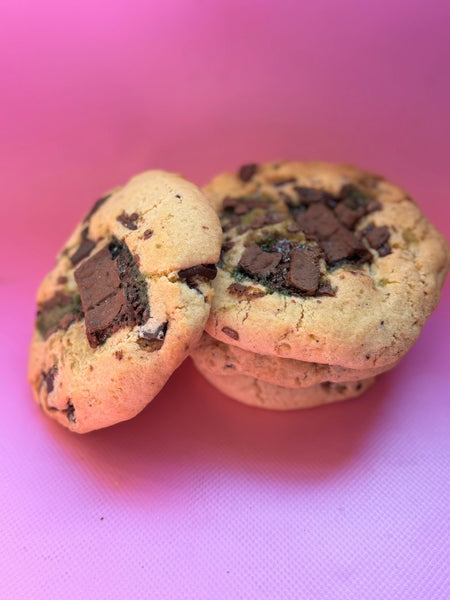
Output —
<point x="224" y="359"/>
<point x="256" y="392"/>
<point x="128" y="298"/>
<point x="322" y="263"/>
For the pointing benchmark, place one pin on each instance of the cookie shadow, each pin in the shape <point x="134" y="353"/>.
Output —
<point x="191" y="430"/>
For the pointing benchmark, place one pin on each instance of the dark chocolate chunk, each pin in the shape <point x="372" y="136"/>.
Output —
<point x="204" y="271"/>
<point x="246" y="172"/>
<point x="128" y="221"/>
<point x="230" y="333"/>
<point x="227" y="245"/>
<point x="113" y="292"/>
<point x="318" y="221"/>
<point x="378" y="238"/>
<point x="304" y="270"/>
<point x="118" y="354"/>
<point x="70" y="412"/>
<point x="258" y="222"/>
<point x="147" y="234"/>
<point x="257" y="262"/>
<point x="344" y="245"/>
<point x="353" y="196"/>
<point x="269" y="218"/>
<point x="308" y="195"/>
<point x="49" y="378"/>
<point x="61" y="280"/>
<point x="58" y="312"/>
<point x="372" y="205"/>
<point x="349" y="216"/>
<point x="84" y="249"/>
<point x="96" y="206"/>
<point x="325" y="288"/>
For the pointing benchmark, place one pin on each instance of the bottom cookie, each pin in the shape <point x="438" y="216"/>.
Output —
<point x="218" y="358"/>
<point x="256" y="392"/>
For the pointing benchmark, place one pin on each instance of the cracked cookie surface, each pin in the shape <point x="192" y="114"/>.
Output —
<point x="322" y="263"/>
<point x="128" y="298"/>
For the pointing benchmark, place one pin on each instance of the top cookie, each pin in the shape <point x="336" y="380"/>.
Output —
<point x="130" y="294"/>
<point x="322" y="263"/>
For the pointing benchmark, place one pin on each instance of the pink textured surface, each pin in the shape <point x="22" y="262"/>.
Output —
<point x="200" y="497"/>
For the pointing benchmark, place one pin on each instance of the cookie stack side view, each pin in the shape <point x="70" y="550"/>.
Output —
<point x="128" y="298"/>
<point x="326" y="277"/>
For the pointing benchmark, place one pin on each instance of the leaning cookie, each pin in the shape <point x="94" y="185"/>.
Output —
<point x="225" y="359"/>
<point x="128" y="298"/>
<point x="323" y="263"/>
<point x="255" y="392"/>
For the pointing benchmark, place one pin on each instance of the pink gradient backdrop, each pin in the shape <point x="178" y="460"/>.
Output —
<point x="200" y="497"/>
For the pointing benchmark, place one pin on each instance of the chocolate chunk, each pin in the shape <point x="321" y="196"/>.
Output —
<point x="113" y="292"/>
<point x="372" y="205"/>
<point x="58" y="312"/>
<point x="118" y="354"/>
<point x="245" y="291"/>
<point x="70" y="412"/>
<point x="204" y="271"/>
<point x="246" y="172"/>
<point x="344" y="245"/>
<point x="229" y="202"/>
<point x="325" y="288"/>
<point x="227" y="245"/>
<point x="308" y="195"/>
<point x="66" y="321"/>
<point x="349" y="216"/>
<point x="268" y="218"/>
<point x="353" y="196"/>
<point x="230" y="333"/>
<point x="84" y="249"/>
<point x="318" y="221"/>
<point x="49" y="378"/>
<point x="61" y="280"/>
<point x="378" y="238"/>
<point x="147" y="234"/>
<point x="286" y="181"/>
<point x="96" y="206"/>
<point x="128" y="221"/>
<point x="258" y="222"/>
<point x="304" y="270"/>
<point x="257" y="262"/>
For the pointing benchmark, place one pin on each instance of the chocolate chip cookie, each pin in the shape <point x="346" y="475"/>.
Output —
<point x="322" y="263"/>
<point x="128" y="298"/>
<point x="256" y="392"/>
<point x="219" y="358"/>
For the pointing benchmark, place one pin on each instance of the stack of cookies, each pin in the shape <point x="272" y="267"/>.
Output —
<point x="289" y="284"/>
<point x="326" y="278"/>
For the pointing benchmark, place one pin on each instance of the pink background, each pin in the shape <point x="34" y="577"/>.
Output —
<point x="201" y="497"/>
